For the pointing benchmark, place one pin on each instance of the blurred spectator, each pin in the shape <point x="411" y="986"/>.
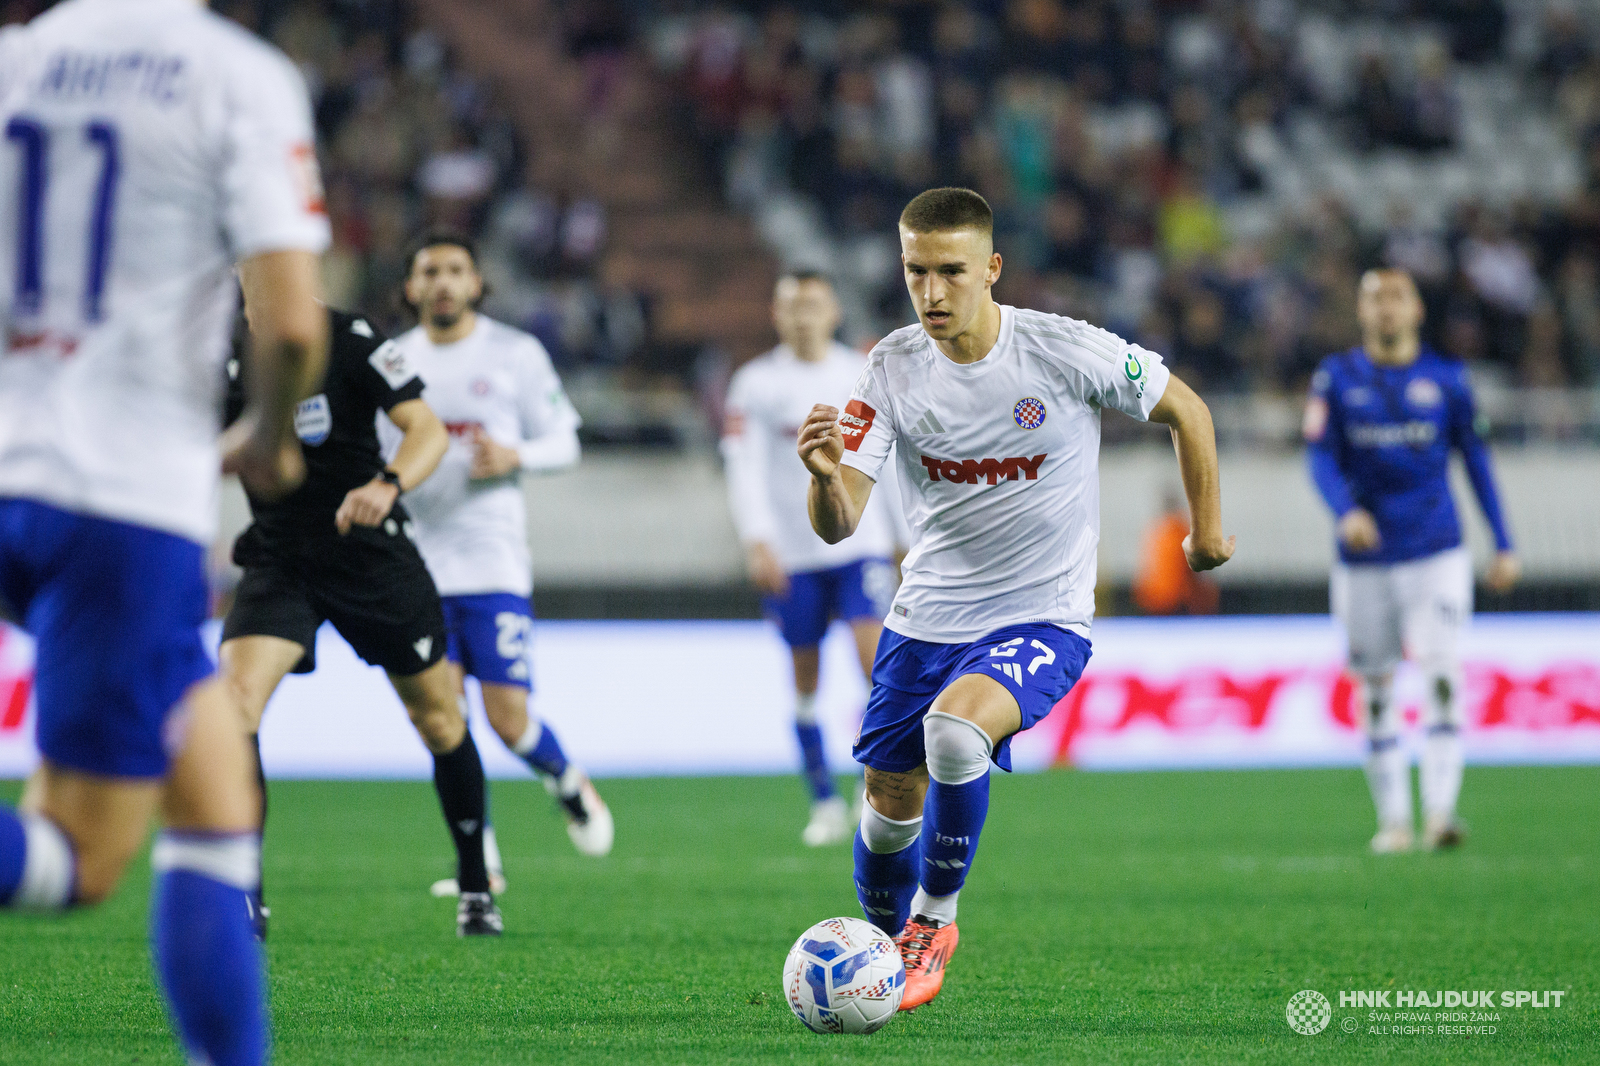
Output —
<point x="1502" y="276"/>
<point x="1379" y="107"/>
<point x="1476" y="27"/>
<point x="1578" y="298"/>
<point x="1191" y="225"/>
<point x="1164" y="584"/>
<point x="457" y="180"/>
<point x="1422" y="115"/>
<point x="1434" y="111"/>
<point x="1565" y="49"/>
<point x="1168" y="169"/>
<point x="1074" y="244"/>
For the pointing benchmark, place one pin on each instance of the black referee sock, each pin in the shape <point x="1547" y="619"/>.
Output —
<point x="261" y="782"/>
<point x="458" y="778"/>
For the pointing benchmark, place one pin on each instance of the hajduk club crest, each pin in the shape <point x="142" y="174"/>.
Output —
<point x="1028" y="413"/>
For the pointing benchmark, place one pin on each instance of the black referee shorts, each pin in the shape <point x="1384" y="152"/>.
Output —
<point x="371" y="584"/>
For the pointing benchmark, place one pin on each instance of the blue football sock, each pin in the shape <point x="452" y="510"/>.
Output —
<point x="816" y="765"/>
<point x="543" y="756"/>
<point x="952" y="818"/>
<point x="885" y="884"/>
<point x="13" y="853"/>
<point x="205" y="951"/>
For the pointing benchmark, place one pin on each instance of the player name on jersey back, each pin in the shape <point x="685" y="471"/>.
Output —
<point x="149" y="145"/>
<point x="999" y="468"/>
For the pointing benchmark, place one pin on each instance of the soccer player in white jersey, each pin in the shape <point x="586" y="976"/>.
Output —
<point x="994" y="417"/>
<point x="507" y="414"/>
<point x="805" y="582"/>
<point x="148" y="147"/>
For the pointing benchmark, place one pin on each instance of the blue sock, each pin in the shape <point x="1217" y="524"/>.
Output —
<point x="546" y="756"/>
<point x="205" y="952"/>
<point x="952" y="818"/>
<point x="885" y="884"/>
<point x="13" y="854"/>
<point x="816" y="766"/>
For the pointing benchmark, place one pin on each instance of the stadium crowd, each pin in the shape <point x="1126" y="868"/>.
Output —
<point x="1118" y="141"/>
<point x="411" y="142"/>
<point x="1131" y="152"/>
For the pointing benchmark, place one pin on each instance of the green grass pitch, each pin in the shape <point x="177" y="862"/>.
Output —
<point x="1110" y="918"/>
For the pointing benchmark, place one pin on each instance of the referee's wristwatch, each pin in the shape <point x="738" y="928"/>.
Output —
<point x="386" y="474"/>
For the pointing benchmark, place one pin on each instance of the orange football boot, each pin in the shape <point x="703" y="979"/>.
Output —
<point x="925" y="949"/>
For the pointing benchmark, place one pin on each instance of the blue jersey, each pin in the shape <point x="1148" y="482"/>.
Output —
<point x="1380" y="438"/>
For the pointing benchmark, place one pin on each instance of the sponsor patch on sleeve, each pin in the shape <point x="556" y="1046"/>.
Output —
<point x="391" y="362"/>
<point x="855" y="423"/>
<point x="308" y="177"/>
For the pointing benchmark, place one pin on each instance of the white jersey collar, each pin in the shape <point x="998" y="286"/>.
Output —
<point x="1000" y="353"/>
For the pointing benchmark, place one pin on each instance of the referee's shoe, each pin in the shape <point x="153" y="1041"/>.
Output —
<point x="477" y="915"/>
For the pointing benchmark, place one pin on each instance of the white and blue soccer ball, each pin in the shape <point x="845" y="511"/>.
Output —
<point x="844" y="976"/>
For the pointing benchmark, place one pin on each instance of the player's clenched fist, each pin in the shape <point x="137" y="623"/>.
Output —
<point x="1359" y="530"/>
<point x="267" y="468"/>
<point x="1207" y="554"/>
<point x="821" y="442"/>
<point x="366" y="505"/>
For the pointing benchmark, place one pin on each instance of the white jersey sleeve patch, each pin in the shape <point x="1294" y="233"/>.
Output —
<point x="1126" y="377"/>
<point x="272" y="188"/>
<point x="390" y="361"/>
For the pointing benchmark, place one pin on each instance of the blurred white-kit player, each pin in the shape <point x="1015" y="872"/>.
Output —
<point x="149" y="148"/>
<point x="805" y="582"/>
<point x="507" y="414"/>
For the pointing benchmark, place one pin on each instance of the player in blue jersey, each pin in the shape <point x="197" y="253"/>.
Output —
<point x="1380" y="426"/>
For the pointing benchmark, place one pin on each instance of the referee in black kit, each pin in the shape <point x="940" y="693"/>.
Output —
<point x="339" y="549"/>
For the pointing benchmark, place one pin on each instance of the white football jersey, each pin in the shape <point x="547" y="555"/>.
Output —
<point x="999" y="468"/>
<point x="148" y="146"/>
<point x="768" y="399"/>
<point x="473" y="534"/>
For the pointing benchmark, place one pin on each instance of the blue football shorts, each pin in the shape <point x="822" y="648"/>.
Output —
<point x="854" y="591"/>
<point x="1038" y="663"/>
<point x="491" y="636"/>
<point x="115" y="612"/>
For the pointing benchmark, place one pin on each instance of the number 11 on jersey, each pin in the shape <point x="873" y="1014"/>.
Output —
<point x="32" y="141"/>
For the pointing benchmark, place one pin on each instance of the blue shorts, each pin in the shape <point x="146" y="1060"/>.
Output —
<point x="1038" y="663"/>
<point x="862" y="589"/>
<point x="491" y="636"/>
<point x="115" y="611"/>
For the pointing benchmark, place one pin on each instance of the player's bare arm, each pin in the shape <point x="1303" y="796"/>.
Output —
<point x="1195" y="440"/>
<point x="766" y="573"/>
<point x="288" y="356"/>
<point x="838" y="493"/>
<point x="420" y="450"/>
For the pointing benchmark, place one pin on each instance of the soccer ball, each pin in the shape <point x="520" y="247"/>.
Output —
<point x="844" y="976"/>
